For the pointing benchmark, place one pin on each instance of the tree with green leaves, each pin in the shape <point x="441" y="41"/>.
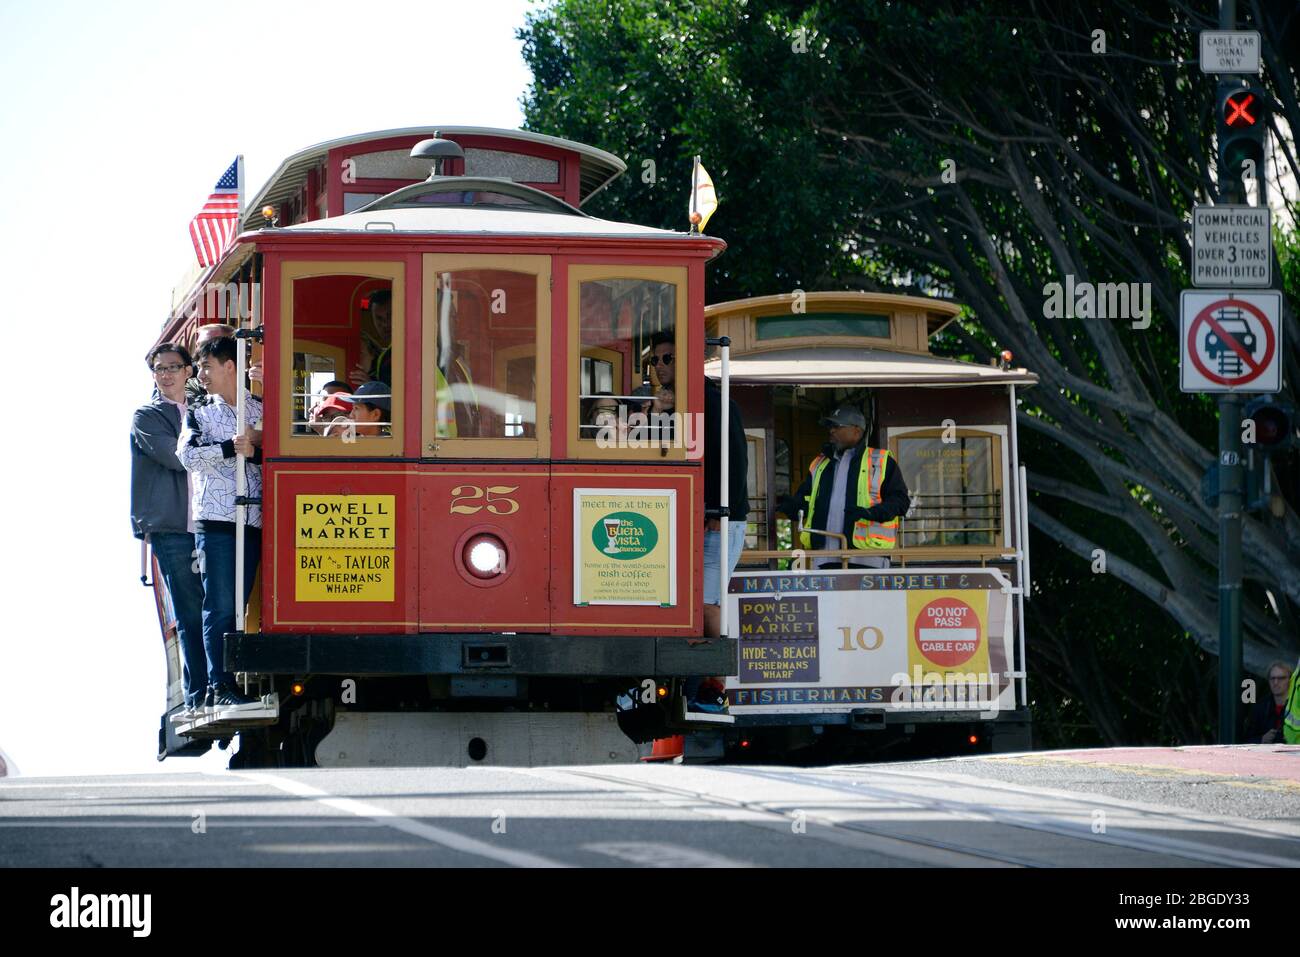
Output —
<point x="982" y="151"/>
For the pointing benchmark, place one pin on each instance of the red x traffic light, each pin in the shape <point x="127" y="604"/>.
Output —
<point x="1239" y="110"/>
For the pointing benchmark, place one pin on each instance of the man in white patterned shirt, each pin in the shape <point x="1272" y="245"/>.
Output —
<point x="207" y="447"/>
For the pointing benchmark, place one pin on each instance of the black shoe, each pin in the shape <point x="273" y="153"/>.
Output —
<point x="228" y="697"/>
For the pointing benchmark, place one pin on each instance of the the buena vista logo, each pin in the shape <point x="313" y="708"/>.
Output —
<point x="1106" y="300"/>
<point x="76" y="909"/>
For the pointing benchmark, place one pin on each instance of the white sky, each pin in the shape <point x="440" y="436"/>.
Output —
<point x="115" y="122"/>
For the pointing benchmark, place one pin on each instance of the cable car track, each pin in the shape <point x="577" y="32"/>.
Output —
<point x="977" y="855"/>
<point x="1043" y="822"/>
<point x="1132" y="807"/>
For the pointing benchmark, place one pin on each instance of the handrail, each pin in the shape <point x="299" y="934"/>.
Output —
<point x="917" y="553"/>
<point x="800" y="528"/>
<point x="724" y="485"/>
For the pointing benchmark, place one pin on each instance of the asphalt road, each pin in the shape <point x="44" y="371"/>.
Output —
<point x="1020" y="811"/>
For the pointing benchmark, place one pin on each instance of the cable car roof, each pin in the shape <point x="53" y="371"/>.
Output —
<point x="879" y="368"/>
<point x="596" y="167"/>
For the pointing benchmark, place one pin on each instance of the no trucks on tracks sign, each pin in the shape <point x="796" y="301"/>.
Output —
<point x="1231" y="341"/>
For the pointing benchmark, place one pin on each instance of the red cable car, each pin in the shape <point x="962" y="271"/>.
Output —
<point x="478" y="574"/>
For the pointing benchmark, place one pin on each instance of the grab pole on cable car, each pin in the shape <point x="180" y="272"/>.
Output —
<point x="724" y="480"/>
<point x="241" y="484"/>
<point x="241" y="413"/>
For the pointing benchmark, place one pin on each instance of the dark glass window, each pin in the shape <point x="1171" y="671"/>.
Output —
<point x="823" y="324"/>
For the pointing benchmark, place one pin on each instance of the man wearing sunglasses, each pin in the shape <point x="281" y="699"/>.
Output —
<point x="160" y="506"/>
<point x="661" y="358"/>
<point x="662" y="400"/>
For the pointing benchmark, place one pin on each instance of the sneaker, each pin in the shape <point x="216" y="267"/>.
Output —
<point x="228" y="697"/>
<point x="710" y="699"/>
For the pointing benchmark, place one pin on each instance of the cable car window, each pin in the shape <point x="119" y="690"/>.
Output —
<point x="822" y="324"/>
<point x="622" y="372"/>
<point x="476" y="197"/>
<point x="486" y="362"/>
<point x="519" y="167"/>
<point x="341" y="367"/>
<point x="354" y="201"/>
<point x="956" y="485"/>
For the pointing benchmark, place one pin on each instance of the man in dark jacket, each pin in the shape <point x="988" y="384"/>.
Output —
<point x="1264" y="725"/>
<point x="737" y="498"/>
<point x="160" y="507"/>
<point x="852" y="489"/>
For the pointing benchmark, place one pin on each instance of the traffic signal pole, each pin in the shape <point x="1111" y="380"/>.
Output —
<point x="1231" y="483"/>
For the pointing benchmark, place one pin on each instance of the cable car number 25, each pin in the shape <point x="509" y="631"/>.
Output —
<point x="493" y="498"/>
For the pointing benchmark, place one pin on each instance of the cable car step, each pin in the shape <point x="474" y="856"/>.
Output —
<point x="220" y="722"/>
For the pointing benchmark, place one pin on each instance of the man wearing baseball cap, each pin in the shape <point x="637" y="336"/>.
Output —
<point x="852" y="489"/>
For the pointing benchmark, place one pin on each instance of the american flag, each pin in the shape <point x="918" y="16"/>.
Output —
<point x="214" y="226"/>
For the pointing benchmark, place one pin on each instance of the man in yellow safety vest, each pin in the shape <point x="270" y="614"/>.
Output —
<point x="853" y="489"/>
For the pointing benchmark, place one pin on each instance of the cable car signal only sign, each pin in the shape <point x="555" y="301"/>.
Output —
<point x="1230" y="341"/>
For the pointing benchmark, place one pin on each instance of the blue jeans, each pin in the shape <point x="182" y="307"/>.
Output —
<point x="713" y="579"/>
<point x="713" y="559"/>
<point x="218" y="563"/>
<point x="176" y="560"/>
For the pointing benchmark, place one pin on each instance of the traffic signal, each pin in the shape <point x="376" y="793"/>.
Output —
<point x="1242" y="114"/>
<point x="1275" y="428"/>
<point x="1275" y="425"/>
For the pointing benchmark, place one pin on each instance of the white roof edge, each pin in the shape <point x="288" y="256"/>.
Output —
<point x="583" y="149"/>
<point x="950" y="372"/>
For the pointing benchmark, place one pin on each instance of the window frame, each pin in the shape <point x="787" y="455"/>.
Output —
<point x="309" y="446"/>
<point x="479" y="448"/>
<point x="998" y="435"/>
<point x="676" y="276"/>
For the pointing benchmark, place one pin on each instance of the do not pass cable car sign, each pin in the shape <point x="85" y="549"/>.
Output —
<point x="1230" y="341"/>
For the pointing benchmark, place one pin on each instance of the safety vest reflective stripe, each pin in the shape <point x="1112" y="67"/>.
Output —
<point x="871" y="477"/>
<point x="815" y="470"/>
<point x="1291" y="713"/>
<point x="873" y="534"/>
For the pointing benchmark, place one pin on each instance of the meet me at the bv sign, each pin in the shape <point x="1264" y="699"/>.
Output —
<point x="844" y="639"/>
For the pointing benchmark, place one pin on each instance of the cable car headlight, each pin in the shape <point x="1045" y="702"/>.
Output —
<point x="485" y="556"/>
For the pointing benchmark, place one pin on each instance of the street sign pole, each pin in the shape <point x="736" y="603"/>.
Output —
<point x="1230" y="501"/>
